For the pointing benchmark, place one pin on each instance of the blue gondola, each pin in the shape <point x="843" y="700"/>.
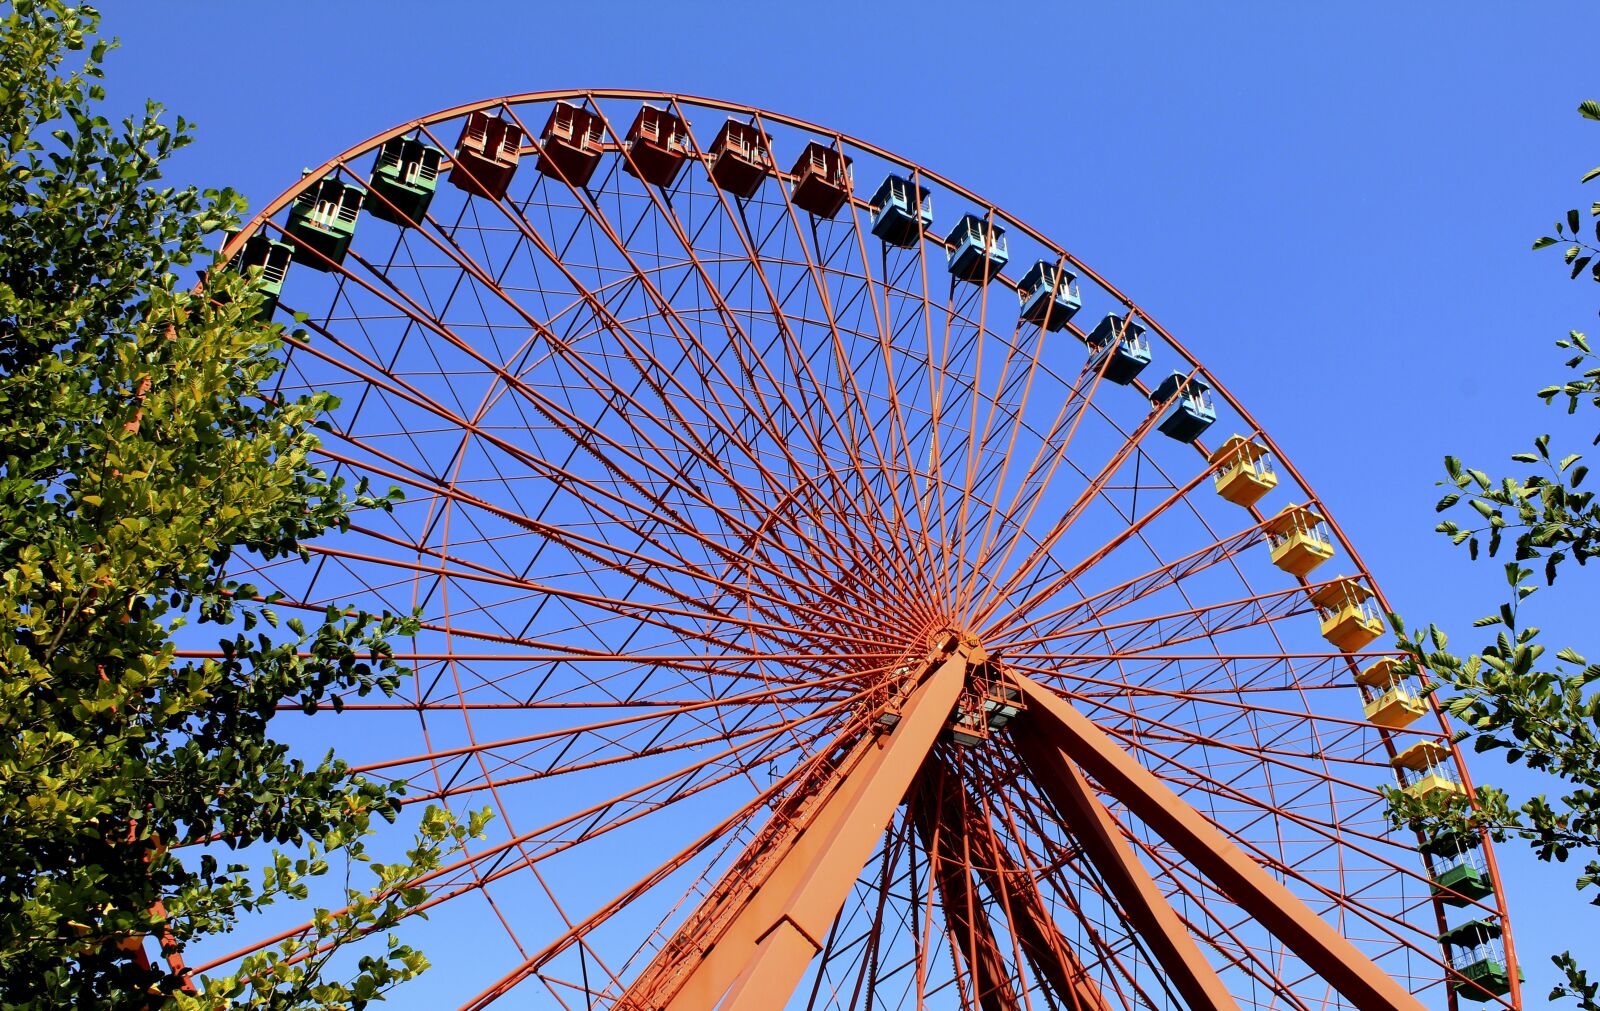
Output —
<point x="1188" y="404"/>
<point x="977" y="249"/>
<point x="1124" y="343"/>
<point x="1048" y="295"/>
<point x="898" y="219"/>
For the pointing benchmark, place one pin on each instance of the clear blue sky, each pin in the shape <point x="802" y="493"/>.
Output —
<point x="1331" y="204"/>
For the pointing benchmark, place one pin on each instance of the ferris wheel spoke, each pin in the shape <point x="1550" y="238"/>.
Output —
<point x="750" y="261"/>
<point x="1052" y="955"/>
<point x="1348" y="832"/>
<point x="1074" y="886"/>
<point x="1174" y="628"/>
<point x="1124" y="594"/>
<point x="720" y="833"/>
<point x="660" y="615"/>
<point x="1102" y="843"/>
<point x="1030" y="490"/>
<point x="752" y="955"/>
<point x="1222" y="937"/>
<point x="567" y="421"/>
<point x="564" y="740"/>
<point x="995" y="520"/>
<point x="999" y="589"/>
<point x="490" y="863"/>
<point x="1391" y="942"/>
<point x="1230" y="710"/>
<point x="846" y="370"/>
<point x="1031" y="927"/>
<point x="941" y="829"/>
<point x="736" y="333"/>
<point x="552" y="533"/>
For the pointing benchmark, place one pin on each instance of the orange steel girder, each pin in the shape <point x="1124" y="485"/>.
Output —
<point x="1147" y="909"/>
<point x="941" y="817"/>
<point x="1055" y="739"/>
<point x="750" y="951"/>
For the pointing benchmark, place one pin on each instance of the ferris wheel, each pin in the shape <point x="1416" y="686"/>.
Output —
<point x="842" y="595"/>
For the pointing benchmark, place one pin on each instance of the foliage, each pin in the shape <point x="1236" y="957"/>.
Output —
<point x="137" y="456"/>
<point x="1545" y="715"/>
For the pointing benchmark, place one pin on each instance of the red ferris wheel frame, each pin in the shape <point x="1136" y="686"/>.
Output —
<point x="766" y="919"/>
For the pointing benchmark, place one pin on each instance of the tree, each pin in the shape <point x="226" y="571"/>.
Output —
<point x="138" y="454"/>
<point x="1511" y="698"/>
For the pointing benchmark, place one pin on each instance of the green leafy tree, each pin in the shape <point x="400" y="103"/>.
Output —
<point x="137" y="456"/>
<point x="1540" y="711"/>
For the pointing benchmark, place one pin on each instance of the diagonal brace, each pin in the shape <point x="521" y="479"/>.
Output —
<point x="1059" y="736"/>
<point x="756" y="942"/>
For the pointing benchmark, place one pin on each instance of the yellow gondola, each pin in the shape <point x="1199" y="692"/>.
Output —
<point x="1425" y="768"/>
<point x="1348" y="619"/>
<point x="1244" y="471"/>
<point x="1299" y="538"/>
<point x="1395" y="708"/>
<point x="1421" y="756"/>
<point x="1381" y="674"/>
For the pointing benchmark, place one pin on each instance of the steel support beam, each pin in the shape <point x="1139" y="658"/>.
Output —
<point x="1055" y="739"/>
<point x="749" y="943"/>
<point x="942" y="818"/>
<point x="1147" y="909"/>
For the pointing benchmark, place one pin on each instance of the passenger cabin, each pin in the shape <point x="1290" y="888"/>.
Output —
<point x="1387" y="699"/>
<point x="1425" y="768"/>
<point x="1299" y="539"/>
<point x="1049" y="296"/>
<point x="571" y="143"/>
<point x="740" y="158"/>
<point x="1188" y="404"/>
<point x="1244" y="471"/>
<point x="1458" y="872"/>
<point x="403" y="181"/>
<point x="1381" y="674"/>
<point x="656" y="146"/>
<point x="486" y="155"/>
<point x="977" y="249"/>
<point x="322" y="221"/>
<point x="1349" y="621"/>
<point x="272" y="258"/>
<point x="1394" y="708"/>
<point x="901" y="212"/>
<point x="1477" y="960"/>
<point x="822" y="180"/>
<point x="1118" y="350"/>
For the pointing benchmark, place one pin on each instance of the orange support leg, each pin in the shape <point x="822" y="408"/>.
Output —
<point x="1052" y="735"/>
<point x="751" y="940"/>
<point x="1097" y="832"/>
